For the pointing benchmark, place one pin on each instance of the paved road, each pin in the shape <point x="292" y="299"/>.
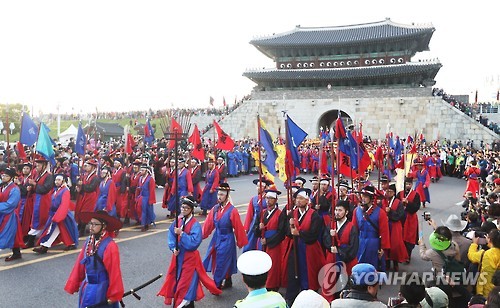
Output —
<point x="38" y="281"/>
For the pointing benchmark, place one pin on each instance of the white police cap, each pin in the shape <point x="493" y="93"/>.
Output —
<point x="254" y="262"/>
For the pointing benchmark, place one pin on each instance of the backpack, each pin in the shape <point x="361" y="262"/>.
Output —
<point x="452" y="267"/>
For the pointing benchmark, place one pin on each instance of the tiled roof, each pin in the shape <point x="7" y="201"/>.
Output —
<point x="344" y="35"/>
<point x="381" y="71"/>
<point x="110" y="129"/>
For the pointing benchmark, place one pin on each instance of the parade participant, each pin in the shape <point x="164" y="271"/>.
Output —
<point x="254" y="267"/>
<point x="304" y="227"/>
<point x="185" y="289"/>
<point x="255" y="208"/>
<point x="314" y="189"/>
<point x="411" y="201"/>
<point x="10" y="233"/>
<point x="133" y="183"/>
<point x="196" y="179"/>
<point x="363" y="293"/>
<point x="74" y="174"/>
<point x="340" y="240"/>
<point x="168" y="201"/>
<point x="271" y="227"/>
<point x="25" y="207"/>
<point x="423" y="182"/>
<point x="106" y="198"/>
<point x="221" y="253"/>
<point x="87" y="189"/>
<point x="146" y="198"/>
<point x="472" y="174"/>
<point x="182" y="186"/>
<point x="232" y="164"/>
<point x="373" y="226"/>
<point x="433" y="165"/>
<point x="300" y="181"/>
<point x="61" y="225"/>
<point x="222" y="169"/>
<point x="42" y="186"/>
<point x="396" y="213"/>
<point x="96" y="273"/>
<point x="209" y="195"/>
<point x="119" y="179"/>
<point x="323" y="202"/>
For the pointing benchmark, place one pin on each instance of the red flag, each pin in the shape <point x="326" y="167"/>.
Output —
<point x="224" y="101"/>
<point x="224" y="142"/>
<point x="323" y="164"/>
<point x="339" y="129"/>
<point x="20" y="149"/>
<point x="198" y="150"/>
<point x="413" y="149"/>
<point x="129" y="144"/>
<point x="174" y="128"/>
<point x="379" y="157"/>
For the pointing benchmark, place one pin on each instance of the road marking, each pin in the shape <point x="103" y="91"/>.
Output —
<point x="61" y="253"/>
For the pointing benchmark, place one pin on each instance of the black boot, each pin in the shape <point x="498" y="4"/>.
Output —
<point x="228" y="283"/>
<point x="126" y="221"/>
<point x="31" y="241"/>
<point x="16" y="254"/>
<point x="190" y="305"/>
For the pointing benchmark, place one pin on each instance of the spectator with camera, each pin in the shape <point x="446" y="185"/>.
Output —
<point x="411" y="293"/>
<point x="365" y="281"/>
<point x="488" y="260"/>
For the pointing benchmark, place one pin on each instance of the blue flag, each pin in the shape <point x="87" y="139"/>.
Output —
<point x="44" y="145"/>
<point x="149" y="135"/>
<point x="29" y="131"/>
<point x="48" y="130"/>
<point x="266" y="142"/>
<point x="295" y="136"/>
<point x="81" y="140"/>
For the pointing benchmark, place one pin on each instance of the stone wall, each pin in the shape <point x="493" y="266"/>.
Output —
<point x="402" y="111"/>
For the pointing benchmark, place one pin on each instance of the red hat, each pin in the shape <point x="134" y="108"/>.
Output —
<point x="496" y="181"/>
<point x="112" y="223"/>
<point x="418" y="162"/>
<point x="40" y="159"/>
<point x="92" y="162"/>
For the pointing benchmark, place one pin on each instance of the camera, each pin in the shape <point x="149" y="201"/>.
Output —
<point x="426" y="216"/>
<point x="480" y="234"/>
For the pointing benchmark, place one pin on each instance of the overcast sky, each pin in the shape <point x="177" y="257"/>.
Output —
<point x="133" y="55"/>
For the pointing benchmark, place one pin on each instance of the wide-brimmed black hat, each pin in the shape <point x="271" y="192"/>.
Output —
<point x="368" y="190"/>
<point x="112" y="223"/>
<point x="10" y="172"/>
<point x="306" y="190"/>
<point x="224" y="187"/>
<point x="189" y="200"/>
<point x="301" y="179"/>
<point x="265" y="181"/>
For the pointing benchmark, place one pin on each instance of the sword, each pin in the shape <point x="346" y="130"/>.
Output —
<point x="131" y="292"/>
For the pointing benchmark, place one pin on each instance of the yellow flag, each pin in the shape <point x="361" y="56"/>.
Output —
<point x="280" y="161"/>
<point x="265" y="172"/>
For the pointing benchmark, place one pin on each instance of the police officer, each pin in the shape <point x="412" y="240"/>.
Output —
<point x="254" y="266"/>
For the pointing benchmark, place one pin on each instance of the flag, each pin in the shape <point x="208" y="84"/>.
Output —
<point x="295" y="136"/>
<point x="81" y="140"/>
<point x="48" y="130"/>
<point x="149" y="134"/>
<point x="339" y="129"/>
<point x="29" y="131"/>
<point x="398" y="149"/>
<point x="379" y="158"/>
<point x="475" y="98"/>
<point x="44" y="145"/>
<point x="224" y="101"/>
<point x="129" y="144"/>
<point x="266" y="142"/>
<point x="265" y="173"/>
<point x="211" y="101"/>
<point x="323" y="158"/>
<point x="198" y="150"/>
<point x="224" y="142"/>
<point x="498" y="95"/>
<point x="175" y="128"/>
<point x="20" y="150"/>
<point x="280" y="161"/>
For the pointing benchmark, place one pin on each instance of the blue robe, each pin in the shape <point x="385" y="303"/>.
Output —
<point x="232" y="167"/>
<point x="239" y="162"/>
<point x="102" y="198"/>
<point x="148" y="214"/>
<point x="253" y="240"/>
<point x="245" y="156"/>
<point x="369" y="241"/>
<point x="224" y="244"/>
<point x="67" y="227"/>
<point x="208" y="199"/>
<point x="9" y="221"/>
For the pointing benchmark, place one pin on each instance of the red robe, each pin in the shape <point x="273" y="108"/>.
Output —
<point x="472" y="174"/>
<point x="191" y="263"/>
<point x="111" y="260"/>
<point x="120" y="193"/>
<point x="410" y="227"/>
<point x="87" y="199"/>
<point x="134" y="182"/>
<point x="28" y="205"/>
<point x="271" y="233"/>
<point x="170" y="176"/>
<point x="44" y="205"/>
<point x="398" y="250"/>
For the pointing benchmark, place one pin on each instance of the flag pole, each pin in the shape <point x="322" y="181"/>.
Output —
<point x="260" y="177"/>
